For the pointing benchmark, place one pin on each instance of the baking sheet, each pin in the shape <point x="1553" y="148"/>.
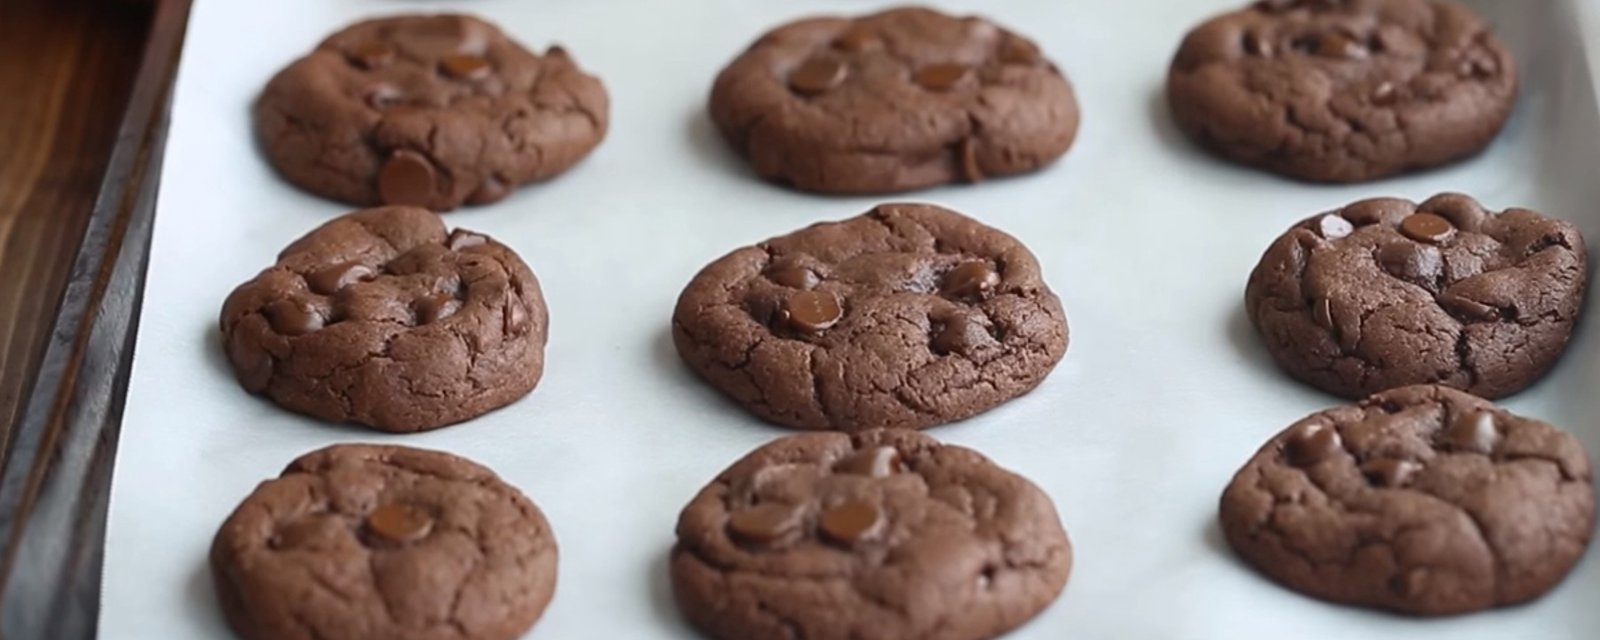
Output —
<point x="1164" y="391"/>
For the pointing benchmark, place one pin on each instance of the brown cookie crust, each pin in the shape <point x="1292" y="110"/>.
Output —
<point x="893" y="101"/>
<point x="1343" y="90"/>
<point x="308" y="556"/>
<point x="380" y="317"/>
<point x="1423" y="500"/>
<point x="930" y="317"/>
<point x="429" y="111"/>
<point x="883" y="534"/>
<point x="1362" y="299"/>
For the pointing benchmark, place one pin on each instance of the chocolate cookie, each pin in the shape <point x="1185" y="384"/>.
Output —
<point x="1343" y="90"/>
<point x="880" y="534"/>
<point x="1386" y="293"/>
<point x="428" y="111"/>
<point x="367" y="542"/>
<point x="907" y="316"/>
<point x="382" y="318"/>
<point x="1423" y="500"/>
<point x="898" y="100"/>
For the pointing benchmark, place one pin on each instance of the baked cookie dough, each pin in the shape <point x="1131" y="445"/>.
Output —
<point x="879" y="534"/>
<point x="909" y="315"/>
<point x="382" y="317"/>
<point x="368" y="542"/>
<point x="428" y="111"/>
<point x="893" y="101"/>
<point x="1423" y="500"/>
<point x="1385" y="293"/>
<point x="1343" y="90"/>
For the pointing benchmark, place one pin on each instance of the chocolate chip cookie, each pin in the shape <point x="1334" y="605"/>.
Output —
<point x="428" y="111"/>
<point x="893" y="101"/>
<point x="1343" y="90"/>
<point x="1423" y="500"/>
<point x="1386" y="293"/>
<point x="879" y="534"/>
<point x="382" y="318"/>
<point x="907" y="316"/>
<point x="367" y="542"/>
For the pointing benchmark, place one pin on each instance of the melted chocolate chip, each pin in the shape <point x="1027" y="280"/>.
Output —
<point x="878" y="462"/>
<point x="400" y="523"/>
<point x="817" y="76"/>
<point x="1312" y="444"/>
<point x="764" y="524"/>
<point x="331" y="280"/>
<point x="851" y="522"/>
<point x="812" y="311"/>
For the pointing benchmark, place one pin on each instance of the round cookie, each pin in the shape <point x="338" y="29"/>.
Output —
<point x="380" y="317"/>
<point x="907" y="316"/>
<point x="1386" y="293"/>
<point x="1343" y="90"/>
<point x="1423" y="500"/>
<point x="428" y="111"/>
<point x="879" y="534"/>
<point x="367" y="542"/>
<point x="893" y="101"/>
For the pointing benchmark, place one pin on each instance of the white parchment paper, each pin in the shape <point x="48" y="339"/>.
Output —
<point x="1164" y="391"/>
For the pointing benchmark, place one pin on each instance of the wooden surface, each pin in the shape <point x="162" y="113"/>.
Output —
<point x="85" y="87"/>
<point x="66" y="67"/>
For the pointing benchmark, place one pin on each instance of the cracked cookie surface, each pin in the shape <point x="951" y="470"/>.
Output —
<point x="898" y="100"/>
<point x="878" y="534"/>
<point x="1386" y="293"/>
<point x="367" y="542"/>
<point x="381" y="317"/>
<point x="428" y="111"/>
<point x="907" y="316"/>
<point x="1343" y="90"/>
<point x="1423" y="500"/>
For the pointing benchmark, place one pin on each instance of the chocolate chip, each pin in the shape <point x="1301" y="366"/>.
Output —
<point x="794" y="278"/>
<point x="1020" y="51"/>
<point x="857" y="38"/>
<point x="812" y="311"/>
<point x="878" y="462"/>
<point x="399" y="523"/>
<point x="1427" y="227"/>
<point x="817" y="76"/>
<point x="1256" y="45"/>
<point x="371" y="55"/>
<point x="408" y="178"/>
<point x="1337" y="45"/>
<point x="968" y="152"/>
<point x="1466" y="308"/>
<point x="1384" y="94"/>
<point x="851" y="522"/>
<point x="299" y="535"/>
<point x="331" y="280"/>
<point x="1473" y="431"/>
<point x="293" y="317"/>
<point x="1420" y="264"/>
<point x="1333" y="226"/>
<point x="1322" y="313"/>
<point x="764" y="524"/>
<point x="252" y="365"/>
<point x="465" y="67"/>
<point x="1312" y="444"/>
<point x="960" y="334"/>
<point x="1478" y="66"/>
<point x="970" y="280"/>
<point x="516" y="318"/>
<point x="1387" y="472"/>
<point x="940" y="77"/>
<point x="383" y="96"/>
<point x="435" y="307"/>
<point x="463" y="239"/>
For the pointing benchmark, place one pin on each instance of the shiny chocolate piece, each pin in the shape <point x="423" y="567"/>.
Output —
<point x="400" y="523"/>
<point x="812" y="311"/>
